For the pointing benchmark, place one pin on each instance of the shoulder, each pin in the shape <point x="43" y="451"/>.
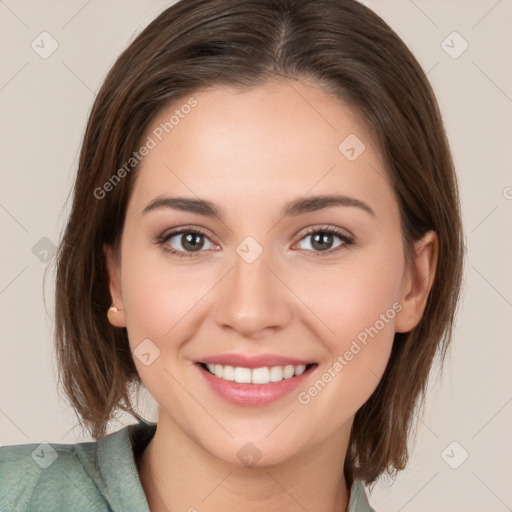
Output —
<point x="40" y="476"/>
<point x="95" y="476"/>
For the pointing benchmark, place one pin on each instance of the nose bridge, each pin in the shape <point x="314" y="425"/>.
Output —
<point x="251" y="297"/>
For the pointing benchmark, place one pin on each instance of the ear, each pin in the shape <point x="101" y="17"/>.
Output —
<point x="116" y="318"/>
<point x="418" y="278"/>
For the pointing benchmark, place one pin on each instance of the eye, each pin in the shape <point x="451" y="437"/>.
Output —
<point x="322" y="239"/>
<point x="190" y="242"/>
<point x="185" y="242"/>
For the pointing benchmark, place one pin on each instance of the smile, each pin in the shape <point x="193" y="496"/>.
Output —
<point x="263" y="375"/>
<point x="253" y="381"/>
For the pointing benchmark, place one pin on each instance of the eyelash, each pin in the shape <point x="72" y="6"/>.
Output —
<point x="163" y="239"/>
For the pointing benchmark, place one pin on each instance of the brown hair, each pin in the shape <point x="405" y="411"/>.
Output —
<point x="345" y="48"/>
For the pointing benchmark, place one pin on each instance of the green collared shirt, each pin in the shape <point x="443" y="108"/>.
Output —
<point x="96" y="476"/>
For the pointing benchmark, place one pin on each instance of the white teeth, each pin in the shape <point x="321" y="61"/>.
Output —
<point x="228" y="373"/>
<point x="262" y="375"/>
<point x="276" y="374"/>
<point x="299" y="370"/>
<point x="288" y="371"/>
<point x="242" y="375"/>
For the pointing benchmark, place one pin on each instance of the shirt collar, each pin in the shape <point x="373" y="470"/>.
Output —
<point x="358" y="500"/>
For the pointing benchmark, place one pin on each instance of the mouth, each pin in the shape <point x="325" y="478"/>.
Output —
<point x="253" y="381"/>
<point x="262" y="375"/>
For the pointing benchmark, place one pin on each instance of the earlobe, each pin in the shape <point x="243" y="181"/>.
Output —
<point x="417" y="283"/>
<point x="115" y="313"/>
<point x="116" y="317"/>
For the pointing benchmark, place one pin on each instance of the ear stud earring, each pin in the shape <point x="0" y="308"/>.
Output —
<point x="114" y="309"/>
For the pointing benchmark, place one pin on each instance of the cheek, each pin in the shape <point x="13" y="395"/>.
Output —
<point x="354" y="307"/>
<point x="163" y="301"/>
<point x="362" y="319"/>
<point x="161" y="305"/>
<point x="348" y="298"/>
<point x="158" y="300"/>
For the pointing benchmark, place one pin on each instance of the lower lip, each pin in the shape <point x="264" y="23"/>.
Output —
<point x="253" y="394"/>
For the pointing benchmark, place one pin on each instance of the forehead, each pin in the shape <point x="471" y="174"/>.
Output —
<point x="271" y="142"/>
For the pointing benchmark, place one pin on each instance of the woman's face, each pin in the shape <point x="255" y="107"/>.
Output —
<point x="274" y="278"/>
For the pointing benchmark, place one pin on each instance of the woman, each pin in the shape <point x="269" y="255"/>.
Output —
<point x="266" y="235"/>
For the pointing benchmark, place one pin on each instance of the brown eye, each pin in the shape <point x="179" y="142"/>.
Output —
<point x="185" y="242"/>
<point x="325" y="239"/>
<point x="191" y="241"/>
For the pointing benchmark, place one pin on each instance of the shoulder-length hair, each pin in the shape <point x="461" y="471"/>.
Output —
<point x="349" y="51"/>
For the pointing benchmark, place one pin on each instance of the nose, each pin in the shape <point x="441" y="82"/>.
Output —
<point x="252" y="298"/>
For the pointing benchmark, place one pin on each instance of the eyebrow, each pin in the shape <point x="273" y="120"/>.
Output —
<point x="293" y="208"/>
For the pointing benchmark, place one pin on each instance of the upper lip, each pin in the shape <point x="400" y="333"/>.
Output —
<point x="258" y="361"/>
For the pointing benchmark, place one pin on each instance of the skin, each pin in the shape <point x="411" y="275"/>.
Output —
<point x="249" y="153"/>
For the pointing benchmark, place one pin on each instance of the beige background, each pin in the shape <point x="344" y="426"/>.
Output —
<point x="43" y="107"/>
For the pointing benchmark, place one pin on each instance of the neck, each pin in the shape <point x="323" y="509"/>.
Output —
<point x="178" y="474"/>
